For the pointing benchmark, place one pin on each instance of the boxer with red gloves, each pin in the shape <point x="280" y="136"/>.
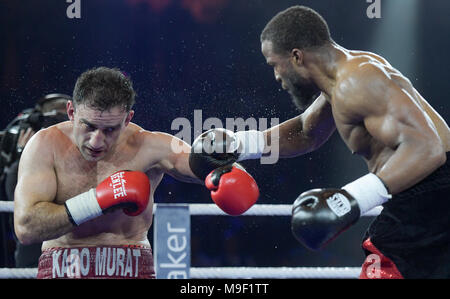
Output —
<point x="129" y="190"/>
<point x="74" y="195"/>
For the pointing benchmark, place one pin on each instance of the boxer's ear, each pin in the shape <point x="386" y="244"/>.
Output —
<point x="70" y="110"/>
<point x="129" y="117"/>
<point x="297" y="56"/>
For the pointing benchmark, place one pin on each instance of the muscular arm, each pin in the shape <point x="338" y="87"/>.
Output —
<point x="304" y="133"/>
<point x="173" y="156"/>
<point x="392" y="117"/>
<point x="36" y="217"/>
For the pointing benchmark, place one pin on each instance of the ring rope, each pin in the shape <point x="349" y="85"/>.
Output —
<point x="232" y="272"/>
<point x="18" y="273"/>
<point x="275" y="272"/>
<point x="7" y="206"/>
<point x="212" y="209"/>
<point x="228" y="272"/>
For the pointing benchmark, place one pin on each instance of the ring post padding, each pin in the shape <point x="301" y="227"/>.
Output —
<point x="171" y="241"/>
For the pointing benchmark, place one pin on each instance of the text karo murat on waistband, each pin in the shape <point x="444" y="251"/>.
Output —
<point x="104" y="261"/>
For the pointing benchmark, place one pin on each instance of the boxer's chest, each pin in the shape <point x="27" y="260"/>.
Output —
<point x="75" y="175"/>
<point x="353" y="132"/>
<point x="356" y="137"/>
<point x="359" y="140"/>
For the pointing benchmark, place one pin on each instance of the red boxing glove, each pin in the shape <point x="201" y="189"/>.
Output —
<point x="232" y="189"/>
<point x="129" y="190"/>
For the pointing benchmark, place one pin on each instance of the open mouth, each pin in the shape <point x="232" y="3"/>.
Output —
<point x="94" y="152"/>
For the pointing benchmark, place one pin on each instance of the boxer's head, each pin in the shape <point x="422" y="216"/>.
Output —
<point x="284" y="42"/>
<point x="100" y="110"/>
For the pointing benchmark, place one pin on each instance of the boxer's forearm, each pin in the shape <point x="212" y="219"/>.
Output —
<point x="299" y="135"/>
<point x="409" y="165"/>
<point x="290" y="138"/>
<point x="304" y="133"/>
<point x="43" y="221"/>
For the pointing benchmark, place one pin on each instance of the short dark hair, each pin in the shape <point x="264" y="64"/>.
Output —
<point x="296" y="27"/>
<point x="104" y="88"/>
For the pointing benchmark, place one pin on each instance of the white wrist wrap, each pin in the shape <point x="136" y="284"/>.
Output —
<point x="252" y="144"/>
<point x="369" y="191"/>
<point x="84" y="207"/>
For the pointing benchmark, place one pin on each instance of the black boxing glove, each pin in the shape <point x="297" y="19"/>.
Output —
<point x="320" y="215"/>
<point x="212" y="149"/>
<point x="219" y="147"/>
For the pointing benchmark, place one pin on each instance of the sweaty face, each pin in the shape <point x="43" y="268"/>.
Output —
<point x="96" y="132"/>
<point x="302" y="90"/>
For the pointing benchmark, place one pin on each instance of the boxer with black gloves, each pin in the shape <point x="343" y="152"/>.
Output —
<point x="381" y="117"/>
<point x="219" y="147"/>
<point x="320" y="215"/>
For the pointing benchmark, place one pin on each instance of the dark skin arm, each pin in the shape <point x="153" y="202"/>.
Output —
<point x="304" y="133"/>
<point x="392" y="117"/>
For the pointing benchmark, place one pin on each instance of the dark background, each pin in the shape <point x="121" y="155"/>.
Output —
<point x="184" y="55"/>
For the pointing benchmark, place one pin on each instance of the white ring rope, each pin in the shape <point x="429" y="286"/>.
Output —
<point x="212" y="209"/>
<point x="7" y="206"/>
<point x="18" y="273"/>
<point x="275" y="272"/>
<point x="228" y="272"/>
<point x="232" y="272"/>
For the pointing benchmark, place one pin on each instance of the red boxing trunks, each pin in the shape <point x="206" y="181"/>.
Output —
<point x="377" y="265"/>
<point x="114" y="262"/>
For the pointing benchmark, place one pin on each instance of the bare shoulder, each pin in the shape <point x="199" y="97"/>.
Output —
<point x="160" y="144"/>
<point x="46" y="140"/>
<point x="370" y="55"/>
<point x="368" y="73"/>
<point x="152" y="139"/>
<point x="39" y="152"/>
<point x="157" y="150"/>
<point x="359" y="71"/>
<point x="362" y="88"/>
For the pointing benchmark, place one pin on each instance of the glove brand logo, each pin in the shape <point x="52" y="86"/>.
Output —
<point x="339" y="204"/>
<point x="118" y="185"/>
